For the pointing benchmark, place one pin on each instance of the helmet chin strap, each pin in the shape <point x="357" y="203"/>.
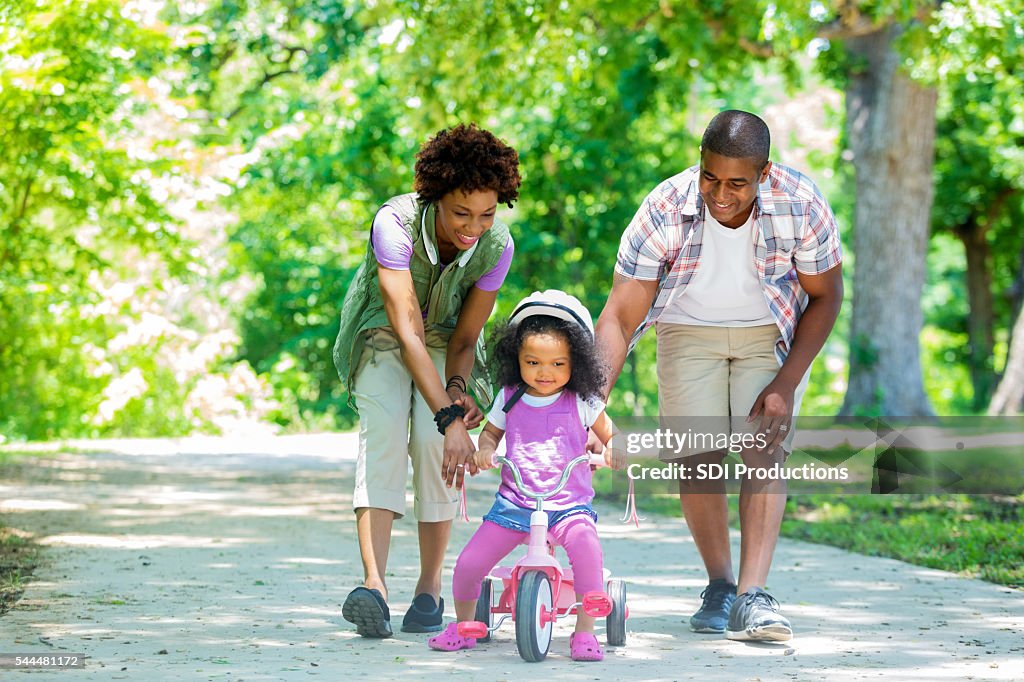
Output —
<point x="514" y="398"/>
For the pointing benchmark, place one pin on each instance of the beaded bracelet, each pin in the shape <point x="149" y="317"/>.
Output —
<point x="446" y="415"/>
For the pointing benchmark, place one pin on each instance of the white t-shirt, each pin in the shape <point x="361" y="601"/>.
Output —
<point x="725" y="291"/>
<point x="589" y="411"/>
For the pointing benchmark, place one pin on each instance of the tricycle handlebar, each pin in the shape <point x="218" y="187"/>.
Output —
<point x="595" y="460"/>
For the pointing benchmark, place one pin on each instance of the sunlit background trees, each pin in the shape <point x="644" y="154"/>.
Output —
<point x="186" y="187"/>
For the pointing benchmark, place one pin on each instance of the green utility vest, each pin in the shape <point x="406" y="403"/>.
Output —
<point x="441" y="292"/>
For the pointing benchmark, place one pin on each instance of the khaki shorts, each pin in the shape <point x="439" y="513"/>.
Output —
<point x="396" y="426"/>
<point x="710" y="376"/>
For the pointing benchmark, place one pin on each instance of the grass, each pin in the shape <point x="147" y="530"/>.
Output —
<point x="978" y="536"/>
<point x="18" y="556"/>
<point x="18" y="552"/>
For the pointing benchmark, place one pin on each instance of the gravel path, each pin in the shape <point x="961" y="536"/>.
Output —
<point x="227" y="559"/>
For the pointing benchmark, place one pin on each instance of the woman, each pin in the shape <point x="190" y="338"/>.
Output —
<point x="410" y="326"/>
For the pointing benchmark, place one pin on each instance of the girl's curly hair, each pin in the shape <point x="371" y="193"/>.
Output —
<point x="588" y="369"/>
<point x="469" y="158"/>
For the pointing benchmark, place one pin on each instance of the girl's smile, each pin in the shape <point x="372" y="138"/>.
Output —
<point x="545" y="363"/>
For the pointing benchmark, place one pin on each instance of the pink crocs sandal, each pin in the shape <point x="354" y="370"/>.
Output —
<point x="583" y="646"/>
<point x="450" y="640"/>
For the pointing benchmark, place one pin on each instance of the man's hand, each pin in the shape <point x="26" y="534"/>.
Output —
<point x="614" y="458"/>
<point x="773" y="407"/>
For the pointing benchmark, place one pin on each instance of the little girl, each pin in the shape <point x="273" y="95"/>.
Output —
<point x="552" y="377"/>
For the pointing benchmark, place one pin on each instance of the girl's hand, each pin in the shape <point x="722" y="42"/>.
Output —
<point x="484" y="459"/>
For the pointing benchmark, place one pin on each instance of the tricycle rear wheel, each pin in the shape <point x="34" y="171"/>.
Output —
<point x="615" y="624"/>
<point x="483" y="609"/>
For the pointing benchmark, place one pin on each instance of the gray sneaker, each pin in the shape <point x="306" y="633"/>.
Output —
<point x="713" y="614"/>
<point x="755" y="617"/>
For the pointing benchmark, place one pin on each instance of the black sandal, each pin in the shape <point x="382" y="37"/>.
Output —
<point x="424" y="615"/>
<point x="368" y="610"/>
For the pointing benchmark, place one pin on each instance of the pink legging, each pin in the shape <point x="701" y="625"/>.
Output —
<point x="491" y="542"/>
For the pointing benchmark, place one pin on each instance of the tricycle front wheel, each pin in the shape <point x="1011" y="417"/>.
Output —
<point x="534" y="600"/>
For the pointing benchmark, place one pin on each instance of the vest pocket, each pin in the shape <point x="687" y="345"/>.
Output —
<point x="381" y="339"/>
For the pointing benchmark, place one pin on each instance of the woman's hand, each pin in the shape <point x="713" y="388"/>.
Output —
<point x="458" y="454"/>
<point x="474" y="415"/>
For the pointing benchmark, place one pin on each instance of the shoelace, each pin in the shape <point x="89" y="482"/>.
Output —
<point x="714" y="597"/>
<point x="764" y="599"/>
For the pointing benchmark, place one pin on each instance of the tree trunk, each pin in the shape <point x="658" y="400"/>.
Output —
<point x="1009" y="397"/>
<point x="980" y="318"/>
<point x="891" y="127"/>
<point x="1015" y="294"/>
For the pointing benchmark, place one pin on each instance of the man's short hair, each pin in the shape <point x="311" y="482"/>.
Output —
<point x="738" y="135"/>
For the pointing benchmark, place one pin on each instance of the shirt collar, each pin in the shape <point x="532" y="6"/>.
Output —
<point x="764" y="195"/>
<point x="430" y="239"/>
<point x="693" y="202"/>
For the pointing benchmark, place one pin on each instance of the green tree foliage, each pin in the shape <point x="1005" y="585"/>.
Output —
<point x="599" y="105"/>
<point x="73" y="199"/>
<point x="603" y="100"/>
<point x="292" y="88"/>
<point x="109" y="321"/>
<point x="979" y="185"/>
<point x="293" y="120"/>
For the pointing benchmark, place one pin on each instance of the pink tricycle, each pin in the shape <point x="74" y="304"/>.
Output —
<point x="537" y="591"/>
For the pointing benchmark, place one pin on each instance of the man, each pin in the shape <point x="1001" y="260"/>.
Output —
<point x="736" y="262"/>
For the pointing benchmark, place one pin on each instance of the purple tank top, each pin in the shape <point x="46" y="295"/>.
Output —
<point x="542" y="441"/>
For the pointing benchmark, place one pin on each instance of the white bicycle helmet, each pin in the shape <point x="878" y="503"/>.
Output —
<point x="554" y="303"/>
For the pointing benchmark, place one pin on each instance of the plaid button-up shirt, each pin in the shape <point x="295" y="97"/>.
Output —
<point x="794" y="230"/>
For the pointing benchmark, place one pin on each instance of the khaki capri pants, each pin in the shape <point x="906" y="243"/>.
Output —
<point x="395" y="426"/>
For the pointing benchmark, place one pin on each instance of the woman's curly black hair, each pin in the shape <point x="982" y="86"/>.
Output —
<point x="469" y="158"/>
<point x="588" y="369"/>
